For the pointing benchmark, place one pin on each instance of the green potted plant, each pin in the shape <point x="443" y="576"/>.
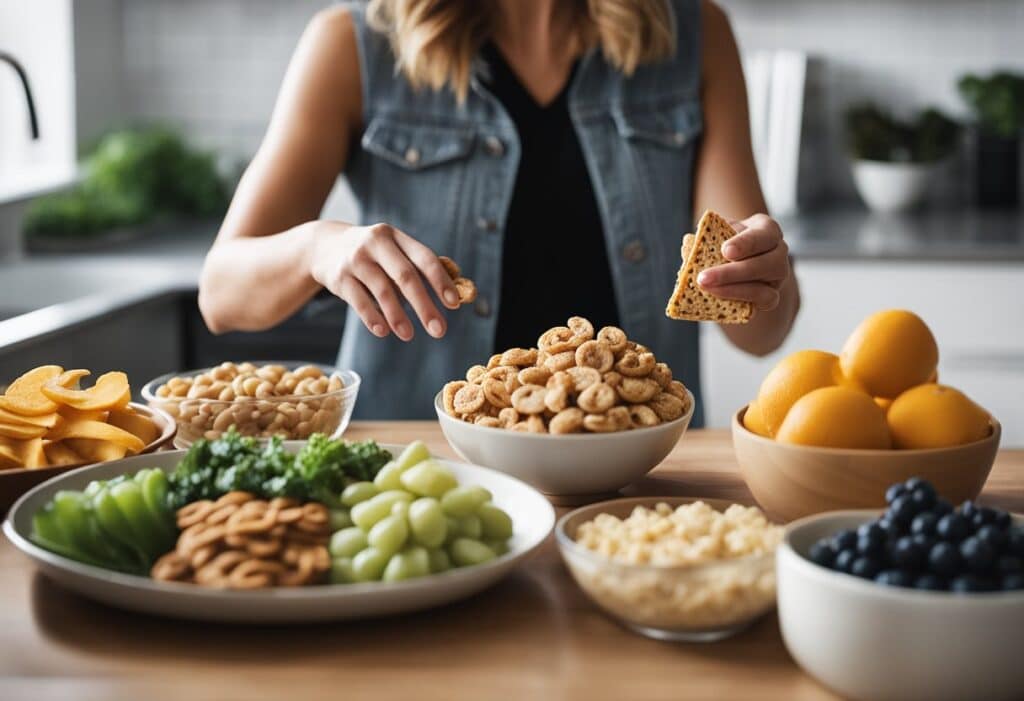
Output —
<point x="894" y="160"/>
<point x="998" y="105"/>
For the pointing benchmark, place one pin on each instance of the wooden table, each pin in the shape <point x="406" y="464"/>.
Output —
<point x="533" y="636"/>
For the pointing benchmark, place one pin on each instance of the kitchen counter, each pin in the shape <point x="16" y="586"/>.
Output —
<point x="534" y="635"/>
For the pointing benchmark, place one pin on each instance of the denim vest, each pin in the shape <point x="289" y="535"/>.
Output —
<point x="444" y="173"/>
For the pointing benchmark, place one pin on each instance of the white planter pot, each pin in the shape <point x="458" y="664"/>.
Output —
<point x="892" y="187"/>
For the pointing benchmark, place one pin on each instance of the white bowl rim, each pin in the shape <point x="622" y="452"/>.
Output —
<point x="287" y="593"/>
<point x="350" y="387"/>
<point x="442" y="415"/>
<point x="826" y="577"/>
<point x="567" y="543"/>
<point x="995" y="434"/>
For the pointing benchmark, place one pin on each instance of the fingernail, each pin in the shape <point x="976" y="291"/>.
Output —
<point x="403" y="330"/>
<point x="451" y="297"/>
<point x="705" y="278"/>
<point x="379" y="330"/>
<point x="730" y="249"/>
<point x="435" y="328"/>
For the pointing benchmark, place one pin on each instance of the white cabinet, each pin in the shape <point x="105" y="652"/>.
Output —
<point x="976" y="311"/>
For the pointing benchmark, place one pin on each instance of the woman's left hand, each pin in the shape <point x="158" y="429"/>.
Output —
<point x="759" y="264"/>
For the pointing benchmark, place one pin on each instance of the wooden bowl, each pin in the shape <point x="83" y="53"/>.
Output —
<point x="14" y="483"/>
<point x="793" y="481"/>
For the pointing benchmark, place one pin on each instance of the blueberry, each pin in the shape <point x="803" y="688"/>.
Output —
<point x="942" y="507"/>
<point x="930" y="582"/>
<point x="902" y="509"/>
<point x="895" y="578"/>
<point x="924" y="523"/>
<point x="1003" y="520"/>
<point x="968" y="509"/>
<point x="925" y="541"/>
<point x="895" y="491"/>
<point x="969" y="583"/>
<point x="871" y="547"/>
<point x="844" y="540"/>
<point x="923" y="496"/>
<point x="907" y="554"/>
<point x="844" y="560"/>
<point x="892" y="529"/>
<point x="1009" y="564"/>
<point x="821" y="553"/>
<point x="914" y="482"/>
<point x="953" y="527"/>
<point x="871" y="530"/>
<point x="1012" y="582"/>
<point x="944" y="559"/>
<point x="991" y="534"/>
<point x="866" y="567"/>
<point x="1015" y="542"/>
<point x="978" y="555"/>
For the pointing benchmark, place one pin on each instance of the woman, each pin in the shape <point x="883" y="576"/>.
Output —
<point x="556" y="150"/>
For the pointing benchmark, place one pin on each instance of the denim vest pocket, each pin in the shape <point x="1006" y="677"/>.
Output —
<point x="673" y="125"/>
<point x="416" y="146"/>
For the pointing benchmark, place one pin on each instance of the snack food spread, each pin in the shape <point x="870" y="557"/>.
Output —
<point x="574" y="381"/>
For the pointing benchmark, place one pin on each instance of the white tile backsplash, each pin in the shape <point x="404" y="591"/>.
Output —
<point x="213" y="67"/>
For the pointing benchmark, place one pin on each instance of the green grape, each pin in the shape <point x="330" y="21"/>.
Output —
<point x="366" y="513"/>
<point x="341" y="571"/>
<point x="429" y="479"/>
<point x="400" y="508"/>
<point x="389" y="477"/>
<point x="499" y="546"/>
<point x="463" y="501"/>
<point x="439" y="560"/>
<point x="452" y="529"/>
<point x="408" y="564"/>
<point x="471" y="527"/>
<point x="368" y="565"/>
<point x="415" y="452"/>
<point x="340" y="518"/>
<point x="358" y="492"/>
<point x="389" y="534"/>
<point x="466" y="552"/>
<point x="347" y="542"/>
<point x="497" y="524"/>
<point x="429" y="526"/>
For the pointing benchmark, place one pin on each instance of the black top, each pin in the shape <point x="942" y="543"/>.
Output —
<point x="554" y="262"/>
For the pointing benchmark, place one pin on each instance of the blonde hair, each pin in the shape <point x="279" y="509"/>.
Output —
<point x="435" y="41"/>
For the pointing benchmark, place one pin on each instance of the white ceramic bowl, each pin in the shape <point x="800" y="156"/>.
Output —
<point x="532" y="518"/>
<point x="574" y="464"/>
<point x="892" y="187"/>
<point x="875" y="643"/>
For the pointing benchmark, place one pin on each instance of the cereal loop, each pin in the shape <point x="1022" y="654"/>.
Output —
<point x="469" y="399"/>
<point x="595" y="354"/>
<point x="529" y="399"/>
<point x="635" y="364"/>
<point x="597" y="398"/>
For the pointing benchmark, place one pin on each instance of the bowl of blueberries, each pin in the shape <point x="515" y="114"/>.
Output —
<point x="923" y="601"/>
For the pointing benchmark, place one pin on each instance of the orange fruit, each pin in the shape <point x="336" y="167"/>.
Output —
<point x="890" y="352"/>
<point x="795" y="376"/>
<point x="753" y="420"/>
<point x="836" y="417"/>
<point x="936" y="416"/>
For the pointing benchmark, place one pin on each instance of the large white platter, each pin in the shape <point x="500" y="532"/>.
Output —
<point x="532" y="518"/>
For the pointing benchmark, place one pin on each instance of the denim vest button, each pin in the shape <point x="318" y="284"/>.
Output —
<point x="494" y="146"/>
<point x="634" y="252"/>
<point x="482" y="307"/>
<point x="412" y="156"/>
<point x="485" y="224"/>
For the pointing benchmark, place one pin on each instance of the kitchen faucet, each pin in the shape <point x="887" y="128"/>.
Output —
<point x="29" y="102"/>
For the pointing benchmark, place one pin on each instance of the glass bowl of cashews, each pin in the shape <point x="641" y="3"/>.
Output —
<point x="291" y="400"/>
<point x="587" y="411"/>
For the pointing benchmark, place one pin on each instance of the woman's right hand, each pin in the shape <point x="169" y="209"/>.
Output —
<point x="373" y="267"/>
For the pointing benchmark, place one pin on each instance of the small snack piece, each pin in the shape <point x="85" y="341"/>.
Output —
<point x="689" y="301"/>
<point x="577" y="380"/>
<point x="465" y="287"/>
<point x="240" y="542"/>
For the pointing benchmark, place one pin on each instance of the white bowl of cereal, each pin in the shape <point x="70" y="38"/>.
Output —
<point x="583" y="413"/>
<point x="672" y="568"/>
<point x="290" y="400"/>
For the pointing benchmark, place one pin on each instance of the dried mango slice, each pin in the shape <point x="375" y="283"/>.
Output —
<point x="92" y="450"/>
<point x="59" y="453"/>
<point x="32" y="454"/>
<point x="44" y="420"/>
<point x="21" y="431"/>
<point x="24" y="395"/>
<point x="99" y="431"/>
<point x="135" y="424"/>
<point x="111" y="391"/>
<point x="9" y="457"/>
<point x="70" y="414"/>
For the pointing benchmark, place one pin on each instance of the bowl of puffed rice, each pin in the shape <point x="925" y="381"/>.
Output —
<point x="289" y="400"/>
<point x="584" y="412"/>
<point x="671" y="568"/>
